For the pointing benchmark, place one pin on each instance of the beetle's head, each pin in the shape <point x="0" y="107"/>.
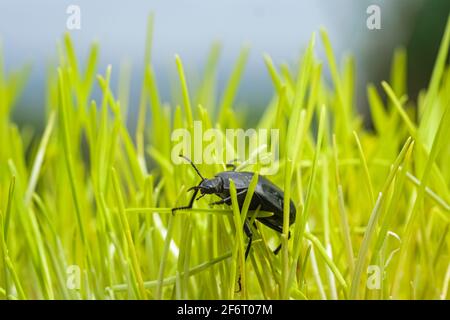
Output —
<point x="206" y="186"/>
<point x="209" y="186"/>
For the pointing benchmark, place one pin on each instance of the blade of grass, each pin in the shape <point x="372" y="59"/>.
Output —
<point x="171" y="280"/>
<point x="367" y="178"/>
<point x="185" y="91"/>
<point x="238" y="222"/>
<point x="136" y="270"/>
<point x="363" y="251"/>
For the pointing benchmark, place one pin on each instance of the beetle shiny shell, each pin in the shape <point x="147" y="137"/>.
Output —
<point x="267" y="196"/>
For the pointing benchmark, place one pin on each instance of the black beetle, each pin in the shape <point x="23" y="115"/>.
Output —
<point x="267" y="196"/>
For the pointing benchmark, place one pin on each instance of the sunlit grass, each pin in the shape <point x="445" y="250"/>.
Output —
<point x="90" y="193"/>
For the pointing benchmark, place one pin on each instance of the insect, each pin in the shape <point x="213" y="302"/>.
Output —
<point x="267" y="196"/>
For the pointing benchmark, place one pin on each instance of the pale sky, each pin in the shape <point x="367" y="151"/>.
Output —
<point x="29" y="31"/>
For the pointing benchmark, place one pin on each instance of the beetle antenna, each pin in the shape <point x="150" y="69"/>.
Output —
<point x="193" y="165"/>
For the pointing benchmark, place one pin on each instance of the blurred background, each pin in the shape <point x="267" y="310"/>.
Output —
<point x="30" y="30"/>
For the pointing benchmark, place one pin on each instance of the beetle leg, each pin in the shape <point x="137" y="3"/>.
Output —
<point x="227" y="199"/>
<point x="239" y="284"/>
<point x="220" y="201"/>
<point x="204" y="194"/>
<point x="231" y="164"/>
<point x="249" y="234"/>
<point x="275" y="252"/>
<point x="279" y="246"/>
<point x="189" y="206"/>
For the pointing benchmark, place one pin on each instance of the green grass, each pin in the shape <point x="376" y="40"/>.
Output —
<point x="88" y="192"/>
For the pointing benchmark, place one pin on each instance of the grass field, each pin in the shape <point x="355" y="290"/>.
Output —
<point x="85" y="206"/>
